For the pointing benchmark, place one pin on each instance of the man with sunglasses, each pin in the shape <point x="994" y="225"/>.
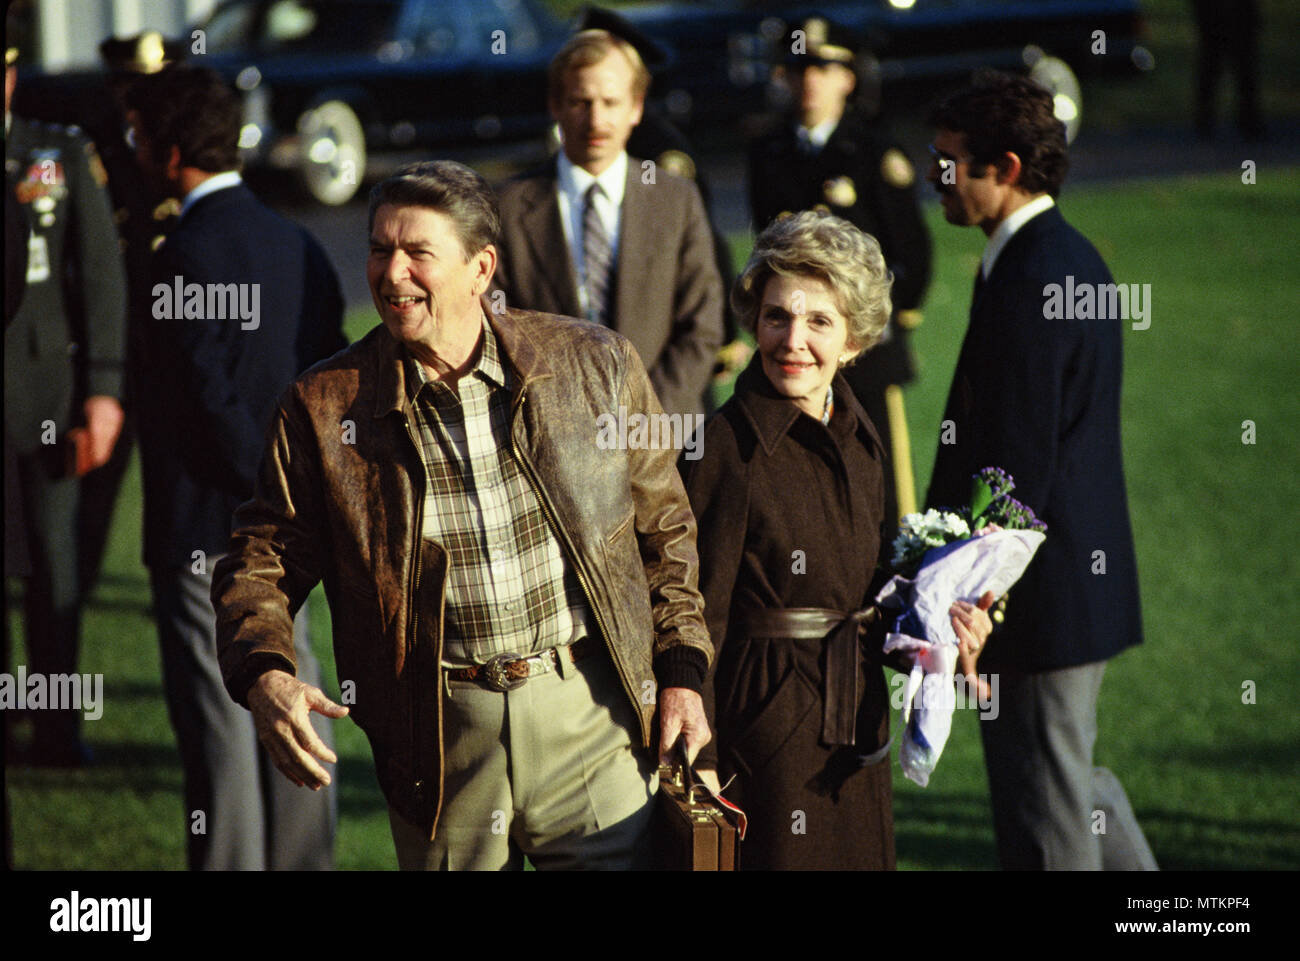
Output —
<point x="1038" y="396"/>
<point x="830" y="153"/>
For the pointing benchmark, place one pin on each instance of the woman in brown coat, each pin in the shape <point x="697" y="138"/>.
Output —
<point x="789" y="499"/>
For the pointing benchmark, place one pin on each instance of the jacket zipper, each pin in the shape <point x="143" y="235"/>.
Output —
<point x="577" y="563"/>
<point x="413" y="618"/>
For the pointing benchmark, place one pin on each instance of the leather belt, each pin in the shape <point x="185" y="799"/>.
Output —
<point x="509" y="670"/>
<point x="840" y="691"/>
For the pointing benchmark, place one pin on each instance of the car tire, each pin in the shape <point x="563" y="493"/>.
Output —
<point x="1056" y="76"/>
<point x="333" y="161"/>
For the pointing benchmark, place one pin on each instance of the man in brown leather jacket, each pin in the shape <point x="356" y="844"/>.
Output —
<point x="512" y="596"/>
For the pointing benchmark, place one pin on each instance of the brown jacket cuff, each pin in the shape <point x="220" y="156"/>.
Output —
<point x="254" y="667"/>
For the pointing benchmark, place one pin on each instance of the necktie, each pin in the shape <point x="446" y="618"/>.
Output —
<point x="597" y="257"/>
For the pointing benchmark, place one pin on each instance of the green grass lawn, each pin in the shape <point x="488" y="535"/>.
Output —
<point x="1213" y="779"/>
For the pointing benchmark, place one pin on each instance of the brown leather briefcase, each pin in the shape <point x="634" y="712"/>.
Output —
<point x="694" y="829"/>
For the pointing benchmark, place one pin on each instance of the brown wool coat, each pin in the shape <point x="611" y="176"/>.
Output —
<point x="789" y="515"/>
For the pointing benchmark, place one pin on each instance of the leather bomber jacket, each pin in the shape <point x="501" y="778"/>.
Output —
<point x="340" y="498"/>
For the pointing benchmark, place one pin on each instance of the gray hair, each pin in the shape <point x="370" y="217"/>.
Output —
<point x="831" y="249"/>
<point x="451" y="189"/>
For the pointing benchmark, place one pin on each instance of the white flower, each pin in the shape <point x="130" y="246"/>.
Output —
<point x="917" y="533"/>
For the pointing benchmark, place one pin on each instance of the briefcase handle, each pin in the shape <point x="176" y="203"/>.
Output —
<point x="682" y="762"/>
<point x="697" y="792"/>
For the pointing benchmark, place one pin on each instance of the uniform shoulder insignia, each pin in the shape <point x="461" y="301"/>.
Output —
<point x="96" y="165"/>
<point x="676" y="162"/>
<point x="840" y="192"/>
<point x="896" y="170"/>
<point x="171" y="207"/>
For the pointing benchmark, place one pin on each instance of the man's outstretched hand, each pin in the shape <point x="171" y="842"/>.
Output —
<point x="282" y="706"/>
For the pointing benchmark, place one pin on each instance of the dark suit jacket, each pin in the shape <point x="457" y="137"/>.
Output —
<point x="209" y="387"/>
<point x="667" y="293"/>
<point x="1041" y="399"/>
<point x="856" y="158"/>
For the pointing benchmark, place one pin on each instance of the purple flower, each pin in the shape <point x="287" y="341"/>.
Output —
<point x="998" y="480"/>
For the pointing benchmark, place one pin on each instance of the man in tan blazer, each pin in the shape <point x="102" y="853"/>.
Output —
<point x="599" y="235"/>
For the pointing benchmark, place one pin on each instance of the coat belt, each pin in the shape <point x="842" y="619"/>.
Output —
<point x="841" y="683"/>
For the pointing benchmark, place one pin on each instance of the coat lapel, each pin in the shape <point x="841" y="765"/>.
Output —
<point x="547" y="246"/>
<point x="635" y="245"/>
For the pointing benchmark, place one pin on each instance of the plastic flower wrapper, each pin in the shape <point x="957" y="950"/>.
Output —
<point x="963" y="568"/>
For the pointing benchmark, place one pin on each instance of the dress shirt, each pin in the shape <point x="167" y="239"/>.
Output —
<point x="572" y="183"/>
<point x="221" y="181"/>
<point x="1007" y="229"/>
<point x="814" y="138"/>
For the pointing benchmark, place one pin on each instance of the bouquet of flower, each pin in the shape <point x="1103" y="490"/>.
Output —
<point x="943" y="556"/>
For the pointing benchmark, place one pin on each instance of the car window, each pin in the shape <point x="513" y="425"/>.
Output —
<point x="229" y="27"/>
<point x="434" y="28"/>
<point x="327" y="26"/>
<point x="485" y="18"/>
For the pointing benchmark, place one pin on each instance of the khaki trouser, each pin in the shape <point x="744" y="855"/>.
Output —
<point x="551" y="770"/>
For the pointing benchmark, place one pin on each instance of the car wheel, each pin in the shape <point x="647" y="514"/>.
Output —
<point x="333" y="159"/>
<point x="1056" y="76"/>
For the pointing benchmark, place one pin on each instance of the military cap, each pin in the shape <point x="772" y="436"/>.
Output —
<point x="144" y="53"/>
<point x="817" y="41"/>
<point x="653" y="55"/>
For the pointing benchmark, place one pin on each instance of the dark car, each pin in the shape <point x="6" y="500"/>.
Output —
<point x="326" y="82"/>
<point x="725" y="50"/>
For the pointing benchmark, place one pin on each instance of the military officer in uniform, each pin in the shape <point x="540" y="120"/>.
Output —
<point x="62" y="383"/>
<point x="143" y="221"/>
<point x="830" y="155"/>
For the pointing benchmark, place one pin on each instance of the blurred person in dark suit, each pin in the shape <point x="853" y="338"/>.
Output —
<point x="142" y="224"/>
<point x="63" y="382"/>
<point x="1227" y="33"/>
<point x="1039" y="397"/>
<point x="244" y="301"/>
<point x="829" y="154"/>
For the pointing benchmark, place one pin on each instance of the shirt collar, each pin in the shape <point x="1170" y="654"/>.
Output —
<point x="818" y="135"/>
<point x="1007" y="229"/>
<point x="488" y="368"/>
<point x="221" y="181"/>
<point x="575" y="181"/>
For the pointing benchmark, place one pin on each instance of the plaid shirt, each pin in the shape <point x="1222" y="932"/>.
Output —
<point x="509" y="586"/>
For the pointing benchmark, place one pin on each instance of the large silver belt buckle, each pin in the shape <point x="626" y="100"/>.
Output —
<point x="495" y="675"/>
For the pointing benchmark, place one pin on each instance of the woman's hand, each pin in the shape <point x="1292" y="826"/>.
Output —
<point x="972" y="626"/>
